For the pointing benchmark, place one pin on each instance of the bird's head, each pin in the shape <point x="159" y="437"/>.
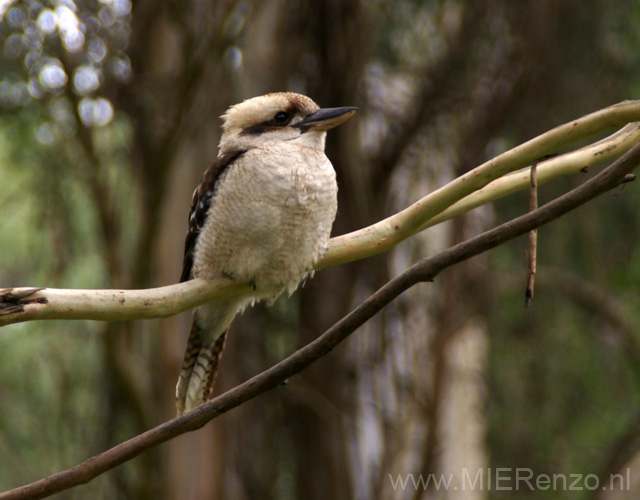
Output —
<point x="281" y="116"/>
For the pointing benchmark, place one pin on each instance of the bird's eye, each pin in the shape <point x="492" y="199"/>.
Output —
<point x="282" y="118"/>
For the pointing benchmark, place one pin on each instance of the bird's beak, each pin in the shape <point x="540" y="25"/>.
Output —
<point x="327" y="118"/>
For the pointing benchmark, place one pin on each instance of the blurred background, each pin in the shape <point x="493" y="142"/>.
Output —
<point x="109" y="114"/>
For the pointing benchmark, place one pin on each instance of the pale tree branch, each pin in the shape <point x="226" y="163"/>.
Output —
<point x="26" y="304"/>
<point x="387" y="233"/>
<point x="489" y="181"/>
<point x="569" y="163"/>
<point x="424" y="270"/>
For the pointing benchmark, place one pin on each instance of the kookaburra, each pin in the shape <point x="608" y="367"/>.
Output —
<point x="261" y="215"/>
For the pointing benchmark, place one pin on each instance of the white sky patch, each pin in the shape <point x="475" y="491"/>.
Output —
<point x="4" y="6"/>
<point x="70" y="31"/>
<point x="86" y="79"/>
<point x="95" y="112"/>
<point x="52" y="76"/>
<point x="120" y="7"/>
<point x="47" y="21"/>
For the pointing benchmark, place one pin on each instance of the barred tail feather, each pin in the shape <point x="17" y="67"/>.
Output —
<point x="199" y="368"/>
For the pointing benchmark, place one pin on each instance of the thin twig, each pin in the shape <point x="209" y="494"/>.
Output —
<point x="533" y="239"/>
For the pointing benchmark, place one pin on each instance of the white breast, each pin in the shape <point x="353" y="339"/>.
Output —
<point x="270" y="219"/>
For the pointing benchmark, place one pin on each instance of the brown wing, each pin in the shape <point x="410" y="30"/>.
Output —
<point x="200" y="203"/>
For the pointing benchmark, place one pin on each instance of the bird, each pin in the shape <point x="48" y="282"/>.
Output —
<point x="262" y="214"/>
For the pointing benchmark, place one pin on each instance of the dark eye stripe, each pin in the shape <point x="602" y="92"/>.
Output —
<point x="281" y="119"/>
<point x="260" y="128"/>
